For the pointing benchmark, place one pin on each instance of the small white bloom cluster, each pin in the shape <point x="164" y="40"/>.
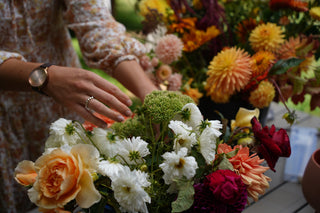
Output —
<point x="188" y="133"/>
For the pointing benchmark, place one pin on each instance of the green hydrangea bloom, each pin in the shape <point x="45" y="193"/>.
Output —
<point x="161" y="106"/>
<point x="130" y="128"/>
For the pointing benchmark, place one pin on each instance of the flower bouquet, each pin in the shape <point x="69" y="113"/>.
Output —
<point x="166" y="158"/>
<point x="255" y="51"/>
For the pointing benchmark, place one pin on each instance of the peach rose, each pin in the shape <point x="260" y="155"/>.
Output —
<point x="25" y="173"/>
<point x="64" y="175"/>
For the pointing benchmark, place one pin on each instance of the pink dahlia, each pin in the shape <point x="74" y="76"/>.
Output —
<point x="169" y="49"/>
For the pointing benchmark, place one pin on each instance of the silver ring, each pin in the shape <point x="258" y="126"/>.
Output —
<point x="87" y="103"/>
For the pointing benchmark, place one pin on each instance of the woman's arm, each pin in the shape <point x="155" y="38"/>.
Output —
<point x="70" y="87"/>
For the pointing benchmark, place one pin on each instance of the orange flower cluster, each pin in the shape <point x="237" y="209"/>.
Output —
<point x="296" y="5"/>
<point x="192" y="37"/>
<point x="249" y="168"/>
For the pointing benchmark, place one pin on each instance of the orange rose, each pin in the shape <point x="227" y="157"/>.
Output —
<point x="62" y="176"/>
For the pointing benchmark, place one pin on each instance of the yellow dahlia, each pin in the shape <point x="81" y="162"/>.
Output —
<point x="249" y="168"/>
<point x="160" y="5"/>
<point x="267" y="37"/>
<point x="263" y="95"/>
<point x="228" y="72"/>
<point x="315" y="13"/>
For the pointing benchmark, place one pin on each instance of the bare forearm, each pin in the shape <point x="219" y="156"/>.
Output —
<point x="14" y="74"/>
<point x="131" y="75"/>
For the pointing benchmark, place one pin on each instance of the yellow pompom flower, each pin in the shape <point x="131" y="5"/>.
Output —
<point x="315" y="13"/>
<point x="160" y="5"/>
<point x="263" y="95"/>
<point x="267" y="37"/>
<point x="228" y="72"/>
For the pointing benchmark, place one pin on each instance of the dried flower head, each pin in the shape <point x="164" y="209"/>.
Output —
<point x="267" y="37"/>
<point x="263" y="95"/>
<point x="229" y="71"/>
<point x="169" y="49"/>
<point x="164" y="72"/>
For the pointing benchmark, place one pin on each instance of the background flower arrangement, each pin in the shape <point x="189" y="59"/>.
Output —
<point x="256" y="50"/>
<point x="166" y="158"/>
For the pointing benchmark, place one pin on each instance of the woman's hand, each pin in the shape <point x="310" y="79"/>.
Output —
<point x="73" y="87"/>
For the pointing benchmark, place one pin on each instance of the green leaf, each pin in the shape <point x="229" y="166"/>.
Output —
<point x="317" y="73"/>
<point x="185" y="196"/>
<point x="225" y="164"/>
<point x="298" y="84"/>
<point x="283" y="65"/>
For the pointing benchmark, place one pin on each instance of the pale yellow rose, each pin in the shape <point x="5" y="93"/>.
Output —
<point x="243" y="117"/>
<point x="65" y="175"/>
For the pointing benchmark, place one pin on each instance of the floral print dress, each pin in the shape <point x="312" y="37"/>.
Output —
<point x="38" y="31"/>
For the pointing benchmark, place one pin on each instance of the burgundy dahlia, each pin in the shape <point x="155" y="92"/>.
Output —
<point x="222" y="192"/>
<point x="272" y="144"/>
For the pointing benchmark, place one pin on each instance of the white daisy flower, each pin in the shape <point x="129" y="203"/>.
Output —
<point x="110" y="168"/>
<point x="128" y="187"/>
<point x="63" y="132"/>
<point x="177" y="165"/>
<point x="184" y="135"/>
<point x="133" y="150"/>
<point x="215" y="125"/>
<point x="207" y="141"/>
<point x="105" y="141"/>
<point x="191" y="115"/>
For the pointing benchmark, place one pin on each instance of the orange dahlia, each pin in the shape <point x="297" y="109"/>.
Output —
<point x="267" y="37"/>
<point x="218" y="96"/>
<point x="263" y="95"/>
<point x="296" y="5"/>
<point x="289" y="48"/>
<point x="249" y="168"/>
<point x="229" y="71"/>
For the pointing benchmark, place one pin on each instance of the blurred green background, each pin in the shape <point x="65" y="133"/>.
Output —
<point x="125" y="13"/>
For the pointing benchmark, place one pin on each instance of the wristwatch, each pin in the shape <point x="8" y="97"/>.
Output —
<point x="38" y="78"/>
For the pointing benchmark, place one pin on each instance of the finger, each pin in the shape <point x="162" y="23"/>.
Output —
<point x="97" y="106"/>
<point x="88" y="116"/>
<point x="114" y="90"/>
<point x="111" y="101"/>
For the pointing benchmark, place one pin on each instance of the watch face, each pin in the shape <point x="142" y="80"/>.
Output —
<point x="37" y="77"/>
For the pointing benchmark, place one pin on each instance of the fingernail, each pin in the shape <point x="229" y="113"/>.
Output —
<point x="129" y="102"/>
<point x="120" y="118"/>
<point x="128" y="113"/>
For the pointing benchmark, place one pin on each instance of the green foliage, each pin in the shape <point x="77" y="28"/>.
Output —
<point x="185" y="196"/>
<point x="283" y="65"/>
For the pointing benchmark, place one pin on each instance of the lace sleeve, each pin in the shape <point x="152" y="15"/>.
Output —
<point x="103" y="41"/>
